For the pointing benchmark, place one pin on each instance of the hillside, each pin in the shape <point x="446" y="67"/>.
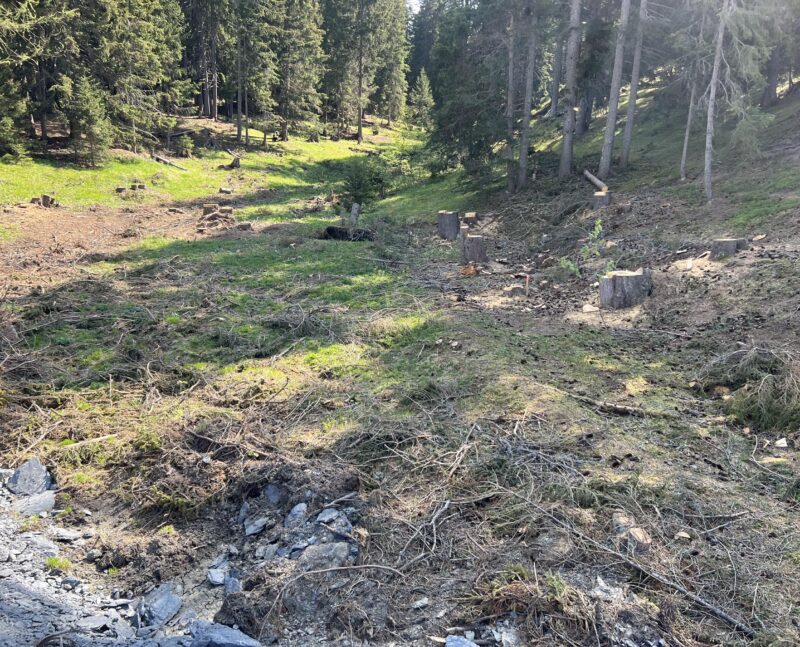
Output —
<point x="365" y="443"/>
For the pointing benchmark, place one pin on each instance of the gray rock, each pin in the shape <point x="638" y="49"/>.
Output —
<point x="37" y="504"/>
<point x="29" y="478"/>
<point x="5" y="554"/>
<point x="274" y="494"/>
<point x="208" y="634"/>
<point x="244" y="512"/>
<point x="328" y="515"/>
<point x="296" y="516"/>
<point x="66" y="535"/>
<point x="266" y="551"/>
<point x="158" y="607"/>
<point x="94" y="623"/>
<point x="69" y="583"/>
<point x="459" y="641"/>
<point x="322" y="556"/>
<point x="216" y="576"/>
<point x="232" y="583"/>
<point x="93" y="555"/>
<point x="255" y="524"/>
<point x="39" y="544"/>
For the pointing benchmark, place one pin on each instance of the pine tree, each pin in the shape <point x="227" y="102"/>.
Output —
<point x="392" y="76"/>
<point x="422" y="101"/>
<point x="85" y="107"/>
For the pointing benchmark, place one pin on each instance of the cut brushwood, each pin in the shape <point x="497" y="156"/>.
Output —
<point x="164" y="160"/>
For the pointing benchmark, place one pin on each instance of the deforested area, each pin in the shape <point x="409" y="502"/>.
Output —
<point x="379" y="323"/>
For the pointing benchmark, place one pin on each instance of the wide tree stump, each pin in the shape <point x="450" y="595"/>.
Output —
<point x="470" y="218"/>
<point x="623" y="289"/>
<point x="210" y="207"/>
<point x="724" y="247"/>
<point x="226" y="190"/>
<point x="448" y="225"/>
<point x="226" y="210"/>
<point x="121" y="189"/>
<point x="602" y="199"/>
<point x="473" y="249"/>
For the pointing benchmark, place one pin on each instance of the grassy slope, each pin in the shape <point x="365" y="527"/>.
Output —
<point x="175" y="334"/>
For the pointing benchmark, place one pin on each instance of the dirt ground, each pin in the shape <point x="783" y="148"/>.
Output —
<point x="567" y="476"/>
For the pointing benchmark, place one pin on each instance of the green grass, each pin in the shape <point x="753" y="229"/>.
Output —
<point x="58" y="564"/>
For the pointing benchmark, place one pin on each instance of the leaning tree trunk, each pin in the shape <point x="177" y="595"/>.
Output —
<point x="687" y="134"/>
<point x="712" y="101"/>
<point x="613" y="95"/>
<point x="530" y="75"/>
<point x="555" y="83"/>
<point x="510" y="110"/>
<point x="627" y="138"/>
<point x="573" y="48"/>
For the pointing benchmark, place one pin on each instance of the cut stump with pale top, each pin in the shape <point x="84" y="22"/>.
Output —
<point x="724" y="247"/>
<point x="473" y="249"/>
<point x="448" y="225"/>
<point x="624" y="289"/>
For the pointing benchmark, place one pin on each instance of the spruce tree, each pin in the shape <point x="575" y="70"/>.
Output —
<point x="422" y="101"/>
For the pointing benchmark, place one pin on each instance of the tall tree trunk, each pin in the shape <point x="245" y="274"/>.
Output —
<point x="687" y="134"/>
<point x="770" y="95"/>
<point x="510" y="166"/>
<point x="362" y="9"/>
<point x="573" y="48"/>
<point x="246" y="110"/>
<point x="206" y="81"/>
<point x="584" y="115"/>
<point x="613" y="95"/>
<point x="238" y="82"/>
<point x="43" y="102"/>
<point x="712" y="100"/>
<point x="214" y="76"/>
<point x="527" y="103"/>
<point x="555" y="82"/>
<point x="627" y="138"/>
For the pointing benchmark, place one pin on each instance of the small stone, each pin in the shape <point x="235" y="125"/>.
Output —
<point x="323" y="556"/>
<point x="588" y="307"/>
<point x="514" y="291"/>
<point x="232" y="585"/>
<point x="93" y="555"/>
<point x="683" y="536"/>
<point x="226" y="190"/>
<point x="622" y="522"/>
<point x="781" y="443"/>
<point x="274" y="494"/>
<point x="244" y="512"/>
<point x="66" y="535"/>
<point x="420" y="604"/>
<point x="266" y="552"/>
<point x="207" y="634"/>
<point x="40" y="545"/>
<point x="255" y="524"/>
<point x="69" y="583"/>
<point x="29" y="479"/>
<point x="94" y="623"/>
<point x="328" y="515"/>
<point x="296" y="516"/>
<point x="459" y="641"/>
<point x="216" y="576"/>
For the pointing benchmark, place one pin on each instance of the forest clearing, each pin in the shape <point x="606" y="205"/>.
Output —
<point x="325" y="369"/>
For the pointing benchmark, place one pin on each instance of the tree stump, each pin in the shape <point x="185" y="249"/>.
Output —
<point x="602" y="199"/>
<point x="355" y="212"/>
<point x="134" y="187"/>
<point x="226" y="210"/>
<point x="210" y="208"/>
<point x="448" y="225"/>
<point x="141" y="187"/>
<point x="470" y="218"/>
<point x="473" y="250"/>
<point x="121" y="189"/>
<point x="724" y="247"/>
<point x="622" y="289"/>
<point x="226" y="190"/>
<point x="36" y="201"/>
<point x="236" y="162"/>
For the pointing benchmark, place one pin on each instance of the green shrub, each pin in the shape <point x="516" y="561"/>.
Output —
<point x="184" y="146"/>
<point x="58" y="564"/>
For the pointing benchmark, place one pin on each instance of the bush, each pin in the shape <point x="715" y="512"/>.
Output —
<point x="367" y="178"/>
<point x="184" y="146"/>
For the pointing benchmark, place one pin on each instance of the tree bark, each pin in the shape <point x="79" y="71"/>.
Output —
<point x="238" y="79"/>
<point x="555" y="82"/>
<point x="510" y="176"/>
<point x="627" y="138"/>
<point x="43" y="102"/>
<point x="613" y="95"/>
<point x="770" y="95"/>
<point x="712" y="101"/>
<point x="687" y="134"/>
<point x="214" y="76"/>
<point x="585" y="112"/>
<point x="527" y="103"/>
<point x="362" y="10"/>
<point x="573" y="48"/>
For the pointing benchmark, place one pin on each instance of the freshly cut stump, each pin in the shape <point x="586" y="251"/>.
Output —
<point x="226" y="190"/>
<point x="602" y="199"/>
<point x="470" y="218"/>
<point x="473" y="249"/>
<point x="226" y="210"/>
<point x="448" y="225"/>
<point x="210" y="208"/>
<point x="724" y="247"/>
<point x="620" y="290"/>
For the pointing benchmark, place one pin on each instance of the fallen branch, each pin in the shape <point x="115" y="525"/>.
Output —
<point x="599" y="184"/>
<point x="164" y="160"/>
<point x="86" y="442"/>
<point x="622" y="409"/>
<point x="714" y="610"/>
